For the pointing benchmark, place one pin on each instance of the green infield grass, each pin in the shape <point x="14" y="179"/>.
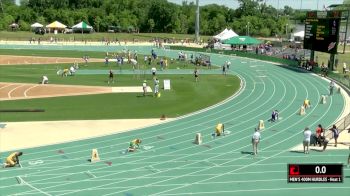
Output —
<point x="186" y="96"/>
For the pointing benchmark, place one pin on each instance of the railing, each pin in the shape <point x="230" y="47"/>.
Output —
<point x="341" y="125"/>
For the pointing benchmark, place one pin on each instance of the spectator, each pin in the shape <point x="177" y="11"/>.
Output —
<point x="335" y="133"/>
<point x="318" y="135"/>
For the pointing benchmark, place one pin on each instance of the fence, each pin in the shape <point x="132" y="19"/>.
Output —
<point x="341" y="125"/>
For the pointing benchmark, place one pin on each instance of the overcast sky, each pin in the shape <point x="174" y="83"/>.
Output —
<point x="295" y="4"/>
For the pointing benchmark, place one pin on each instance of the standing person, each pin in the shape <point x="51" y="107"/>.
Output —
<point x="228" y="64"/>
<point x="331" y="87"/>
<point x="344" y="68"/>
<point x="306" y="141"/>
<point x="106" y="60"/>
<point x="335" y="132"/>
<point x="156" y="87"/>
<point x="255" y="141"/>
<point x="154" y="71"/>
<point x="196" y="74"/>
<point x="224" y="69"/>
<point x="144" y="87"/>
<point x="13" y="159"/>
<point x="111" y="77"/>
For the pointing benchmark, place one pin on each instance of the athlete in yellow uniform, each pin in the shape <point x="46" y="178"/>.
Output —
<point x="13" y="159"/>
<point x="219" y="129"/>
<point x="134" y="144"/>
<point x="307" y="103"/>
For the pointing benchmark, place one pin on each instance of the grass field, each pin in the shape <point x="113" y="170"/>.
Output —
<point x="186" y="95"/>
<point x="24" y="36"/>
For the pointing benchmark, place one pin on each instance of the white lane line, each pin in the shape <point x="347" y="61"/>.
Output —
<point x="33" y="187"/>
<point x="7" y="85"/>
<point x="255" y="190"/>
<point x="28" y="89"/>
<point x="242" y="87"/>
<point x="159" y="193"/>
<point x="9" y="93"/>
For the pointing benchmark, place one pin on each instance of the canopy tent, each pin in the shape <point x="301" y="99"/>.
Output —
<point x="229" y="34"/>
<point x="36" y="25"/>
<point x="82" y="25"/>
<point x="56" y="25"/>
<point x="14" y="26"/>
<point x="299" y="34"/>
<point x="218" y="36"/>
<point x="242" y="40"/>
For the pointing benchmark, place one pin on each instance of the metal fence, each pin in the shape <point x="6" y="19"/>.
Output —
<point x="341" y="125"/>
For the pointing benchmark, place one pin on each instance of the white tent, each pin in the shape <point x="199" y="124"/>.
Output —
<point x="229" y="34"/>
<point x="299" y="34"/>
<point x="218" y="36"/>
<point x="36" y="25"/>
<point x="82" y="25"/>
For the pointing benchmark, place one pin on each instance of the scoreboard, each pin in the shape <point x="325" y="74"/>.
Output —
<point x="322" y="31"/>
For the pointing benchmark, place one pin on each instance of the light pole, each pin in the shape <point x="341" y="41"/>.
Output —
<point x="197" y="22"/>
<point x="248" y="28"/>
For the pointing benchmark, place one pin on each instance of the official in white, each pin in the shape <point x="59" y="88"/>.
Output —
<point x="255" y="141"/>
<point x="45" y="80"/>
<point x="306" y="141"/>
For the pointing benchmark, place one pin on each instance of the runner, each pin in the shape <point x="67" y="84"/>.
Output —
<point x="13" y="160"/>
<point x="134" y="144"/>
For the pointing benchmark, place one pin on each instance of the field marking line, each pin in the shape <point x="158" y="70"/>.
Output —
<point x="109" y="146"/>
<point x="317" y="90"/>
<point x="284" y="87"/>
<point x="33" y="187"/>
<point x="254" y="190"/>
<point x="178" y="184"/>
<point x="251" y="163"/>
<point x="175" y="177"/>
<point x="6" y="85"/>
<point x="28" y="89"/>
<point x="241" y="122"/>
<point x="9" y="93"/>
<point x="156" y="177"/>
<point x="294" y="97"/>
<point x="175" y="125"/>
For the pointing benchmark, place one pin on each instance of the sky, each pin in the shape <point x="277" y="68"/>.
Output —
<point x="295" y="4"/>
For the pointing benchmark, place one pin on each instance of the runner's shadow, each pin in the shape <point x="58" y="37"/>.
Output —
<point x="246" y="152"/>
<point x="297" y="151"/>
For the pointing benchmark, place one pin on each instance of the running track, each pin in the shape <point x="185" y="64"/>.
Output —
<point x="175" y="166"/>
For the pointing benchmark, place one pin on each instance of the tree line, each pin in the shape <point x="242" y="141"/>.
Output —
<point x="151" y="16"/>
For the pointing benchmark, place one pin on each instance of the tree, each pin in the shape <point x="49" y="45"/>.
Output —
<point x="151" y="24"/>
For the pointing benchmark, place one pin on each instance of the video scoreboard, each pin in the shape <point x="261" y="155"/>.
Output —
<point x="322" y="31"/>
<point x="315" y="173"/>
